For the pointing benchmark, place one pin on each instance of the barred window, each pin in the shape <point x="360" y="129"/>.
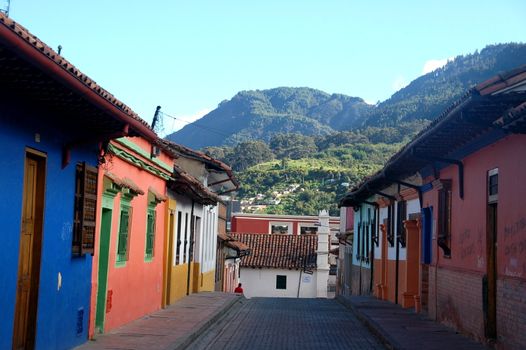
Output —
<point x="85" y="209"/>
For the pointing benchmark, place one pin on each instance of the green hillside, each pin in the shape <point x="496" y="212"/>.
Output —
<point x="296" y="150"/>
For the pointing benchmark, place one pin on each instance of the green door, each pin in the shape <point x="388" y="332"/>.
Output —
<point x="104" y="251"/>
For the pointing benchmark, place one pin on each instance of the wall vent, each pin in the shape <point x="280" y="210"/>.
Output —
<point x="80" y="321"/>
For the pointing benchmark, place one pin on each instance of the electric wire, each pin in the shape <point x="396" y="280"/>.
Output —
<point x="207" y="128"/>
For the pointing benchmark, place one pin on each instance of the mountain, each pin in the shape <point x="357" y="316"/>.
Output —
<point x="260" y="114"/>
<point x="428" y="95"/>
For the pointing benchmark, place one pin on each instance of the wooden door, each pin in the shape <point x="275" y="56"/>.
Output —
<point x="30" y="251"/>
<point x="490" y="306"/>
<point x="104" y="258"/>
<point x="169" y="258"/>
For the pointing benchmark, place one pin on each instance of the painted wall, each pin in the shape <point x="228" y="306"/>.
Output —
<point x="139" y="280"/>
<point x="58" y="308"/>
<point x="468" y="243"/>
<point x="262" y="283"/>
<point x="261" y="224"/>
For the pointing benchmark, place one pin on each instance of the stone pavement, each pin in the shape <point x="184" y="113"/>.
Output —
<point x="172" y="328"/>
<point x="400" y="328"/>
<point x="288" y="324"/>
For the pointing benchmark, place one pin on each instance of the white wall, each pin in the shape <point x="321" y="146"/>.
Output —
<point x="262" y="283"/>
<point x="208" y="244"/>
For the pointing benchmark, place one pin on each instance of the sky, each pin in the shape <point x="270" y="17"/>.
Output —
<point x="188" y="56"/>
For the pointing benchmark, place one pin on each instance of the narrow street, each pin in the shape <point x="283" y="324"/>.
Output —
<point x="287" y="323"/>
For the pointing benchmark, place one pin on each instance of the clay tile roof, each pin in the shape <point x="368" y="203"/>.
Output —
<point x="13" y="36"/>
<point x="219" y="165"/>
<point x="132" y="186"/>
<point x="116" y="180"/>
<point x="185" y="184"/>
<point x="158" y="197"/>
<point x="223" y="236"/>
<point x="279" y="251"/>
<point x="239" y="246"/>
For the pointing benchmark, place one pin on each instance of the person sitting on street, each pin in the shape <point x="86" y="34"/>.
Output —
<point x="239" y="289"/>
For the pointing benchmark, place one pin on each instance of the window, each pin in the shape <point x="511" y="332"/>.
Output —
<point x="178" y="243"/>
<point x="279" y="229"/>
<point x="150" y="233"/>
<point x="281" y="282"/>
<point x="493" y="185"/>
<point x="308" y="230"/>
<point x="124" y="232"/>
<point x="185" y="236"/>
<point x="401" y="214"/>
<point x="85" y="210"/>
<point x="444" y="217"/>
<point x="389" y="225"/>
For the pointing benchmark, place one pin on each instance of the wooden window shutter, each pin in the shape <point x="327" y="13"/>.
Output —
<point x="150" y="233"/>
<point x="85" y="209"/>
<point x="124" y="233"/>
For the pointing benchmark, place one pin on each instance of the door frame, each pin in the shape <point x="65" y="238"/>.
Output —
<point x="24" y="329"/>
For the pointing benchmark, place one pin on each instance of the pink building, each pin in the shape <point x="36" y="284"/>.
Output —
<point x="128" y="266"/>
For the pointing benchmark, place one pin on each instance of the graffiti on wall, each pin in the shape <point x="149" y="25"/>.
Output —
<point x="514" y="248"/>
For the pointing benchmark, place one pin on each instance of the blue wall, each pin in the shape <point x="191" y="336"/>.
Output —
<point x="57" y="309"/>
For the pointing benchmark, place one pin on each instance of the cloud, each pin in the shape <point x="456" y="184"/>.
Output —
<point x="399" y="83"/>
<point x="432" y="65"/>
<point x="171" y="125"/>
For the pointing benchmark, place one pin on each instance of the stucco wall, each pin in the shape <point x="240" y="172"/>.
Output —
<point x="139" y="280"/>
<point x="57" y="307"/>
<point x="262" y="283"/>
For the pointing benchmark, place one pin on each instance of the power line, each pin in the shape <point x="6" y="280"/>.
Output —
<point x="204" y="127"/>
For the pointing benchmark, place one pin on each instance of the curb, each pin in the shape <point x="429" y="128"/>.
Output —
<point x="185" y="341"/>
<point x="374" y="327"/>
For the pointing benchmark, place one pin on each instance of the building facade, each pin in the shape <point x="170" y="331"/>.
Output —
<point x="445" y="229"/>
<point x="55" y="123"/>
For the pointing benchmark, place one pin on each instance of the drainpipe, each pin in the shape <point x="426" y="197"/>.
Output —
<point x="360" y="248"/>
<point x="190" y="248"/>
<point x="397" y="254"/>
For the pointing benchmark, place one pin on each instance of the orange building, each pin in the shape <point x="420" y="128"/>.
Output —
<point x="441" y="227"/>
<point x="128" y="266"/>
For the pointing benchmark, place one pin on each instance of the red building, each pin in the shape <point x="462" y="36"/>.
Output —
<point x="442" y="225"/>
<point x="282" y="224"/>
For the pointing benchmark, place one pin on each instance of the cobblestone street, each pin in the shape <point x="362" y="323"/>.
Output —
<point x="283" y="323"/>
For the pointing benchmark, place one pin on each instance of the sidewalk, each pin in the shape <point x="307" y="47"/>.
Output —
<point x="400" y="328"/>
<point x="172" y="328"/>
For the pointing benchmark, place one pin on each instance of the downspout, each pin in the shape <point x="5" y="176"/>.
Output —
<point x="190" y="248"/>
<point x="361" y="257"/>
<point x="397" y="242"/>
<point x="373" y="223"/>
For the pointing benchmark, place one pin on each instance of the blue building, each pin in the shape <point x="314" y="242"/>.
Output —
<point x="55" y="124"/>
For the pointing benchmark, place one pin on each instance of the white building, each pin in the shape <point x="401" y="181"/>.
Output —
<point x="283" y="265"/>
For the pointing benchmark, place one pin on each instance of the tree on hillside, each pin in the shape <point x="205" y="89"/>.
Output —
<point x="249" y="153"/>
<point x="293" y="146"/>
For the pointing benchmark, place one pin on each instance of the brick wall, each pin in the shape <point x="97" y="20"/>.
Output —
<point x="511" y="313"/>
<point x="459" y="302"/>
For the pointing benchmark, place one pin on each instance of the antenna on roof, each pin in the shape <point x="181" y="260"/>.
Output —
<point x="5" y="7"/>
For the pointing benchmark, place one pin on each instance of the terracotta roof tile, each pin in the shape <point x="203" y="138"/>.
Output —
<point x="43" y="49"/>
<point x="185" y="184"/>
<point x="279" y="251"/>
<point x="158" y="196"/>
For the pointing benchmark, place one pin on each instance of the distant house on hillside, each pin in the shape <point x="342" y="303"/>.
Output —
<point x="282" y="265"/>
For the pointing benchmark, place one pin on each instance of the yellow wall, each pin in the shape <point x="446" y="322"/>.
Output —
<point x="178" y="285"/>
<point x="207" y="281"/>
